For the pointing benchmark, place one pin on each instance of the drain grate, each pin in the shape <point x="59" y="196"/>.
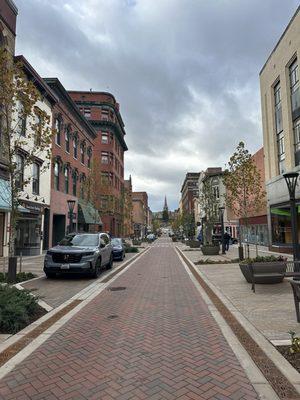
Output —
<point x="116" y="288"/>
<point x="112" y="316"/>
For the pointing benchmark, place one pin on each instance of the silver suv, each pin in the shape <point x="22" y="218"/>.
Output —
<point x="80" y="253"/>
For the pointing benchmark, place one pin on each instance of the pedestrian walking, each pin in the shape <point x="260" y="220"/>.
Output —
<point x="227" y="238"/>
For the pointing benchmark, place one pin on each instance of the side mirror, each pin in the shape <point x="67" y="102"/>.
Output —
<point x="102" y="244"/>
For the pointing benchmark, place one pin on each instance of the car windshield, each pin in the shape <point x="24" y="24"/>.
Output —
<point x="88" y="240"/>
<point x="116" y="241"/>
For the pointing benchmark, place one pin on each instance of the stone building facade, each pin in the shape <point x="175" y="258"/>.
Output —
<point x="33" y="221"/>
<point x="280" y="102"/>
<point x="140" y="214"/>
<point x="8" y="20"/>
<point x="103" y="112"/>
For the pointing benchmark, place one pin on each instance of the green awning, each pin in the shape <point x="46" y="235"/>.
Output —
<point x="87" y="214"/>
<point x="284" y="211"/>
<point x="5" y="197"/>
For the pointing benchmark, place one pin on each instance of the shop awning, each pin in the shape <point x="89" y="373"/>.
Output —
<point x="87" y="214"/>
<point x="5" y="197"/>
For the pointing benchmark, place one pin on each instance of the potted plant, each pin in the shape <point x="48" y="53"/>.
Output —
<point x="266" y="265"/>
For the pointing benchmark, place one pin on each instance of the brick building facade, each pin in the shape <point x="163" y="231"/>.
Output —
<point x="72" y="152"/>
<point x="103" y="112"/>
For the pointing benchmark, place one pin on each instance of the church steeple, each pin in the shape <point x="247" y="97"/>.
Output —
<point x="166" y="204"/>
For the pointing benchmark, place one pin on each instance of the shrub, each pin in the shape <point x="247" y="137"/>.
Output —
<point x="17" y="307"/>
<point x="21" y="276"/>
<point x="263" y="259"/>
<point x="131" y="250"/>
<point x="295" y="346"/>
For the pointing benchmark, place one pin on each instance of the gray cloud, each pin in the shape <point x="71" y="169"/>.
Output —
<point x="184" y="72"/>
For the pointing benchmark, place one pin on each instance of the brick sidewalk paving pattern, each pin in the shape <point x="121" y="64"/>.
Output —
<point x="154" y="340"/>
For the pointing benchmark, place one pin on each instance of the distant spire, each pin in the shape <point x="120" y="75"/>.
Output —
<point x="166" y="204"/>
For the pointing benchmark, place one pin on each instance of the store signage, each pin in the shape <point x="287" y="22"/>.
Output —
<point x="32" y="207"/>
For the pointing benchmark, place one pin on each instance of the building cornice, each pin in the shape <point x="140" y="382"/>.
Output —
<point x="36" y="79"/>
<point x="280" y="39"/>
<point x="113" y="126"/>
<point x="62" y="93"/>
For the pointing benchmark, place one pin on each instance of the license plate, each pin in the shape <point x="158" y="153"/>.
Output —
<point x="65" y="266"/>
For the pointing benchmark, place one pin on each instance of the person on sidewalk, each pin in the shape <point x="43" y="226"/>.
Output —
<point x="227" y="238"/>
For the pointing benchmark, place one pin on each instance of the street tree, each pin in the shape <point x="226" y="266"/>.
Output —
<point x="243" y="182"/>
<point x="210" y="208"/>
<point x="25" y="130"/>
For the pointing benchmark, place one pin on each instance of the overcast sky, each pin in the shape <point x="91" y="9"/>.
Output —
<point x="185" y="72"/>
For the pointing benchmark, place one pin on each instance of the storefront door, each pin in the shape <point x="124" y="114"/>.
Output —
<point x="2" y="216"/>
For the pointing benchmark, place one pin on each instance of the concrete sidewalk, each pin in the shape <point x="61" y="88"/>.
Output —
<point x="153" y="337"/>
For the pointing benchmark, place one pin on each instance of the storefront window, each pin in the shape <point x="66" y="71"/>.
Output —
<point x="281" y="224"/>
<point x="28" y="240"/>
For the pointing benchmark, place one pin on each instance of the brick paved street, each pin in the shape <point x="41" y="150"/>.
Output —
<point x="154" y="340"/>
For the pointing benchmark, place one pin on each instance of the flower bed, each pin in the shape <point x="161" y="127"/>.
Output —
<point x="21" y="277"/>
<point x="293" y="359"/>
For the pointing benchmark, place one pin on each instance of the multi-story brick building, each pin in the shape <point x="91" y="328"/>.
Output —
<point x="256" y="229"/>
<point x="280" y="102"/>
<point x="189" y="191"/>
<point x="140" y="213"/>
<point x="8" y="19"/>
<point x="103" y="112"/>
<point x="72" y="152"/>
<point x="128" y="209"/>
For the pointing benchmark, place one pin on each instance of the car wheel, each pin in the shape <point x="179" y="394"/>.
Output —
<point x="96" y="272"/>
<point x="111" y="261"/>
<point x="50" y="275"/>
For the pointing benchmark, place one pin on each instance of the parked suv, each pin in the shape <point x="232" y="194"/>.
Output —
<point x="80" y="253"/>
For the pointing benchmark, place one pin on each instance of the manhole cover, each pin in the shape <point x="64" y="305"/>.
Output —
<point x="112" y="316"/>
<point x="116" y="288"/>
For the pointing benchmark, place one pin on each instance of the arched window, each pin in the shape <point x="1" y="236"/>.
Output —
<point x="66" y="180"/>
<point x="74" y="183"/>
<point x="58" y="128"/>
<point x="75" y="146"/>
<point x="56" y="175"/>
<point x="89" y="153"/>
<point x="67" y="139"/>
<point x="82" y="152"/>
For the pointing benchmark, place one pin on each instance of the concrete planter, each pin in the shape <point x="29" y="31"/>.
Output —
<point x="193" y="243"/>
<point x="273" y="267"/>
<point x="210" y="250"/>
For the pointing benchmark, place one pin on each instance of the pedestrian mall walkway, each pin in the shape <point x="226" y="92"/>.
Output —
<point x="152" y="339"/>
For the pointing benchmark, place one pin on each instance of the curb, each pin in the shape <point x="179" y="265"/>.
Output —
<point x="85" y="296"/>
<point x="265" y="346"/>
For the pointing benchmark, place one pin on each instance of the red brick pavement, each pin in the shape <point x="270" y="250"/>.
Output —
<point x="154" y="340"/>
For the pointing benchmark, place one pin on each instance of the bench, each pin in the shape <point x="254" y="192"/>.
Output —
<point x="267" y="272"/>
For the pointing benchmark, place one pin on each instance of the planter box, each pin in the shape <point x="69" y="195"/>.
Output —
<point x="136" y="242"/>
<point x="193" y="243"/>
<point x="210" y="250"/>
<point x="273" y="268"/>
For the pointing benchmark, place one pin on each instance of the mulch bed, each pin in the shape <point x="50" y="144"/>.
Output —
<point x="293" y="359"/>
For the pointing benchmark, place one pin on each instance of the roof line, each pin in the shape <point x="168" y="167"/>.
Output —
<point x="281" y="37"/>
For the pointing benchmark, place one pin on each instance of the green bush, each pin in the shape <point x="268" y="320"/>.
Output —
<point x="131" y="250"/>
<point x="263" y="259"/>
<point x="21" y="276"/>
<point x="17" y="307"/>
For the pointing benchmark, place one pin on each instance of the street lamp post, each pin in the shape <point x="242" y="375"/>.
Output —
<point x="221" y="211"/>
<point x="291" y="181"/>
<point x="71" y="205"/>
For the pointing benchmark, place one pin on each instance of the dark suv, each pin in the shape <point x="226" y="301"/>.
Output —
<point x="80" y="253"/>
